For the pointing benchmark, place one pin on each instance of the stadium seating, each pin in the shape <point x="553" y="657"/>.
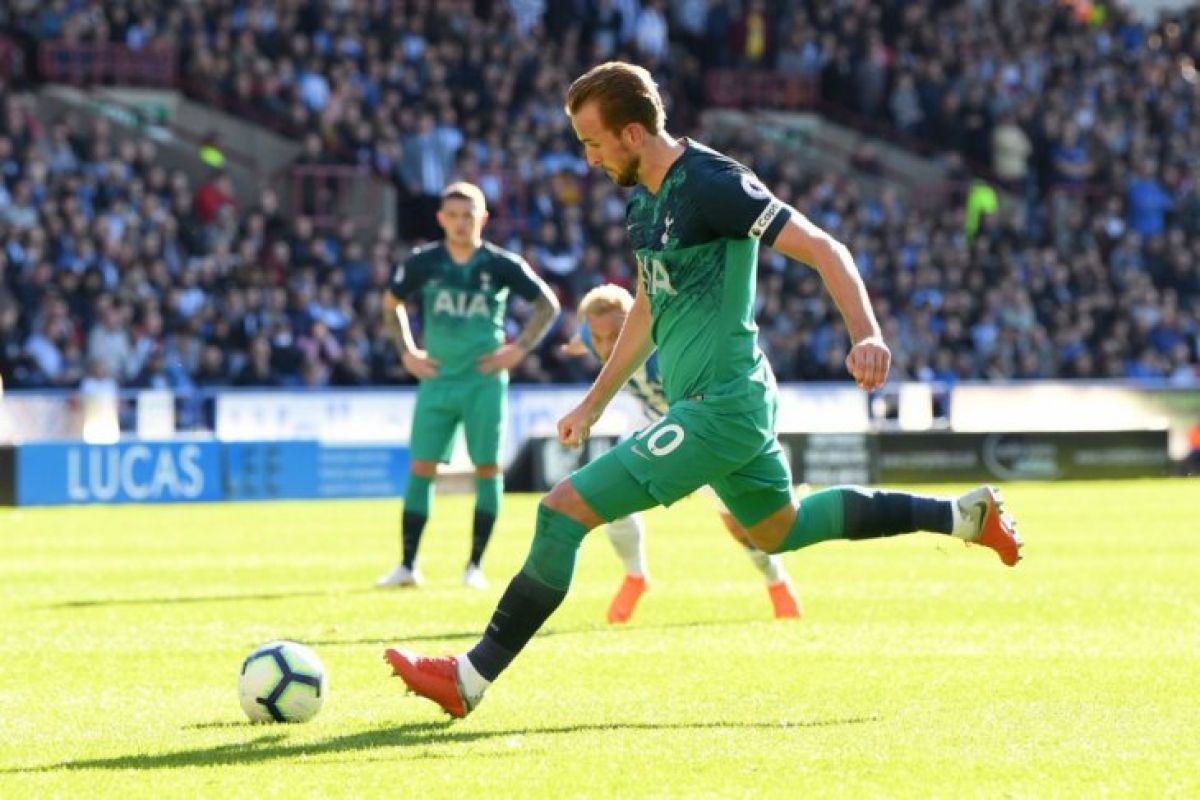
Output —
<point x="116" y="270"/>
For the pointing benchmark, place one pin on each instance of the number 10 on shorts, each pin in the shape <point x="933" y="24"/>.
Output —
<point x="661" y="439"/>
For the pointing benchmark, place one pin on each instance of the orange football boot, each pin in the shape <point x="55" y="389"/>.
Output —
<point x="625" y="603"/>
<point x="998" y="530"/>
<point x="435" y="679"/>
<point x="784" y="600"/>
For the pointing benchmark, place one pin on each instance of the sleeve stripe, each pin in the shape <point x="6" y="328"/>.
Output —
<point x="766" y="218"/>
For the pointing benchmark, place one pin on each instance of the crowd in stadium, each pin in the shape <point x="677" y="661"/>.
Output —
<point x="116" y="270"/>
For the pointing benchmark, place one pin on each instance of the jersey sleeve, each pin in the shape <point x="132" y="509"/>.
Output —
<point x="515" y="273"/>
<point x="407" y="278"/>
<point x="735" y="204"/>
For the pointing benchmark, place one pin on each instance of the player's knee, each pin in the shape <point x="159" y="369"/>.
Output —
<point x="770" y="534"/>
<point x="487" y="471"/>
<point x="424" y="469"/>
<point x="566" y="500"/>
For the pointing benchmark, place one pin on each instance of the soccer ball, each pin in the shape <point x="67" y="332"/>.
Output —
<point x="282" y="682"/>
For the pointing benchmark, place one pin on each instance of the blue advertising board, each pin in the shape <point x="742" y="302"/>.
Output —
<point x="68" y="473"/>
<point x="58" y="473"/>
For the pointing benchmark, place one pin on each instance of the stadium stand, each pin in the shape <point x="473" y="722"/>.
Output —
<point x="1067" y="244"/>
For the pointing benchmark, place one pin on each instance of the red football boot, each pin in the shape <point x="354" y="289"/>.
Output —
<point x="435" y="679"/>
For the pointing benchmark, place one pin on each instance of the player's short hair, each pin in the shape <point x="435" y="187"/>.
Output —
<point x="624" y="93"/>
<point x="604" y="299"/>
<point x="462" y="190"/>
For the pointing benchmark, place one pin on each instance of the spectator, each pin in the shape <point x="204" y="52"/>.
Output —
<point x="108" y="342"/>
<point x="1011" y="149"/>
<point x="212" y="196"/>
<point x="1149" y="201"/>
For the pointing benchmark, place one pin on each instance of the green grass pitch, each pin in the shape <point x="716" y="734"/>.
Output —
<point x="923" y="668"/>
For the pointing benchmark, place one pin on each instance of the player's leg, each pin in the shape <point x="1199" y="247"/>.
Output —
<point x="628" y="538"/>
<point x="431" y="441"/>
<point x="856" y="513"/>
<point x="602" y="489"/>
<point x="760" y="496"/>
<point x="660" y="465"/>
<point x="484" y="413"/>
<point x="784" y="601"/>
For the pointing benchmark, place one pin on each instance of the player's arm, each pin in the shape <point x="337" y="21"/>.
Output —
<point x="737" y="205"/>
<point x="545" y="312"/>
<point x="634" y="345"/>
<point x="869" y="358"/>
<point x="395" y="320"/>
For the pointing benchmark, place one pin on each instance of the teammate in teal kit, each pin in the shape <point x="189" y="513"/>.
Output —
<point x="695" y="220"/>
<point x="463" y="283"/>
<point x="601" y="314"/>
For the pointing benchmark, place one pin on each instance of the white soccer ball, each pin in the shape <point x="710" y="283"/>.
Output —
<point x="282" y="682"/>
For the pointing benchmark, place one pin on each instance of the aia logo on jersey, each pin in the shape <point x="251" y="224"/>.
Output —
<point x="655" y="276"/>
<point x="460" y="304"/>
<point x="752" y="187"/>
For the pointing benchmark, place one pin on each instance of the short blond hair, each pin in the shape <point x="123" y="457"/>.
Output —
<point x="603" y="299"/>
<point x="463" y="190"/>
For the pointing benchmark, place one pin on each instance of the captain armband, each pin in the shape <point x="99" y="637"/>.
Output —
<point x="768" y="216"/>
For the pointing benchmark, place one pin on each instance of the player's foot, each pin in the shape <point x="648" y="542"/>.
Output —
<point x="435" y="679"/>
<point x="623" y="605"/>
<point x="400" y="577"/>
<point x="474" y="578"/>
<point x="994" y="527"/>
<point x="784" y="600"/>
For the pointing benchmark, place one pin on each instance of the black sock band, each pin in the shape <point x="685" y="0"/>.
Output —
<point x="873" y="514"/>
<point x="411" y="527"/>
<point x="523" y="609"/>
<point x="933" y="515"/>
<point x="481" y="534"/>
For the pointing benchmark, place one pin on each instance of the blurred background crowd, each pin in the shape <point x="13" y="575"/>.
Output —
<point x="1079" y="122"/>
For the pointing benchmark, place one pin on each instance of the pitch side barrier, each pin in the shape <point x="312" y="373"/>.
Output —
<point x="162" y="446"/>
<point x="826" y="459"/>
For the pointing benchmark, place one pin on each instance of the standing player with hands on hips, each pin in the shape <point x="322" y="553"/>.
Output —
<point x="695" y="220"/>
<point x="463" y="283"/>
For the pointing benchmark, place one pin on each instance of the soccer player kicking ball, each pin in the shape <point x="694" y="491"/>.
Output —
<point x="695" y="219"/>
<point x="464" y="283"/>
<point x="602" y="312"/>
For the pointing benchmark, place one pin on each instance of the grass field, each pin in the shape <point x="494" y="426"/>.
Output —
<point x="923" y="668"/>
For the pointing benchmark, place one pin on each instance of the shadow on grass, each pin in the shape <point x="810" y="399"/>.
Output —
<point x="272" y="747"/>
<point x="475" y="633"/>
<point x="199" y="598"/>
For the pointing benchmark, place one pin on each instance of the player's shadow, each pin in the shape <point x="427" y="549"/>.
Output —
<point x="474" y="633"/>
<point x="407" y="738"/>
<point x="197" y="598"/>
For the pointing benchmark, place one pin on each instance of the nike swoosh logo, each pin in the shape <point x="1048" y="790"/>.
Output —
<point x="982" y="508"/>
<point x="639" y="453"/>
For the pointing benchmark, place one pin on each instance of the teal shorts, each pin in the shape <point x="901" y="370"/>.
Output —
<point x="480" y="406"/>
<point x="737" y="454"/>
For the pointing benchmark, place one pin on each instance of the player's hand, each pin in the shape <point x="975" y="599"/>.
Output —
<point x="868" y="362"/>
<point x="576" y="426"/>
<point x="507" y="357"/>
<point x="420" y="365"/>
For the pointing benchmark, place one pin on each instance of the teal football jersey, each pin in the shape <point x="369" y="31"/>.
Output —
<point x="696" y="242"/>
<point x="463" y="305"/>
